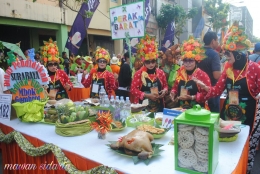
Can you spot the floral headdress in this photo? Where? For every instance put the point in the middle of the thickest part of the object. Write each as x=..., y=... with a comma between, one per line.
x=192, y=49
x=50, y=51
x=147, y=48
x=235, y=39
x=173, y=50
x=102, y=53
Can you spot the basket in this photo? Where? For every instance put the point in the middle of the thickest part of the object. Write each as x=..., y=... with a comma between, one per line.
x=73, y=128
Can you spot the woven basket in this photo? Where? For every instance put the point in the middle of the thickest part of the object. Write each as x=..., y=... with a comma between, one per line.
x=73, y=128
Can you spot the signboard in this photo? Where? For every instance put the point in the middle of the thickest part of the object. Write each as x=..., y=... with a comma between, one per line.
x=128, y=20
x=24, y=79
x=5, y=106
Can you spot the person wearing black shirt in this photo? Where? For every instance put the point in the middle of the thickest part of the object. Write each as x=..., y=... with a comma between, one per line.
x=124, y=77
x=66, y=62
x=211, y=66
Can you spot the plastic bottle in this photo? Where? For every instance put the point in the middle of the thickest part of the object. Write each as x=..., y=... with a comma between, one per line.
x=102, y=94
x=106, y=101
x=117, y=101
x=116, y=113
x=122, y=102
x=127, y=106
x=112, y=101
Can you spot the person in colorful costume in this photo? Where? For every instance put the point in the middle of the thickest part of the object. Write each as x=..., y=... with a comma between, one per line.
x=240, y=78
x=59, y=81
x=149, y=82
x=61, y=63
x=76, y=65
x=100, y=76
x=87, y=63
x=170, y=67
x=185, y=90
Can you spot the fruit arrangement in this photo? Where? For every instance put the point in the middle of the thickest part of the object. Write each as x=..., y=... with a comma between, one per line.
x=71, y=113
x=51, y=115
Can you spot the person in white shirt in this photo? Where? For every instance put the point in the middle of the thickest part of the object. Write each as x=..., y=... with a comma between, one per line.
x=2, y=87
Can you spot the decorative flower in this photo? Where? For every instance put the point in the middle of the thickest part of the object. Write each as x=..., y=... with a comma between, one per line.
x=104, y=120
x=235, y=39
x=50, y=51
x=192, y=48
x=147, y=48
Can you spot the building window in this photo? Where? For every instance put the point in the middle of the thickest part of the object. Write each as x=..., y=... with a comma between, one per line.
x=114, y=1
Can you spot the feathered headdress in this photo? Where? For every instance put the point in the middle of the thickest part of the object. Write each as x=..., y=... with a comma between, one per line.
x=147, y=48
x=192, y=49
x=235, y=39
x=102, y=53
x=50, y=51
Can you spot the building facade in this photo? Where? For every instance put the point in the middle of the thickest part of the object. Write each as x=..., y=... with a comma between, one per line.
x=242, y=15
x=31, y=23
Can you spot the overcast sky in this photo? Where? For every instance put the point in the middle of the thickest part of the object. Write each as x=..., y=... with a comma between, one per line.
x=254, y=9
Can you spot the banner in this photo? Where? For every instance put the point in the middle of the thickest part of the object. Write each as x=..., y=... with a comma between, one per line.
x=24, y=79
x=199, y=28
x=168, y=37
x=127, y=19
x=78, y=30
x=134, y=41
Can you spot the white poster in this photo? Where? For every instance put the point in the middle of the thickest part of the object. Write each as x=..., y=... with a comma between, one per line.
x=128, y=20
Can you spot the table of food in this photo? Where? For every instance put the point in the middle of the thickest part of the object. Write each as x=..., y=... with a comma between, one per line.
x=126, y=137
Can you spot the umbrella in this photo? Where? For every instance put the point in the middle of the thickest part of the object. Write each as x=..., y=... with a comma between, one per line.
x=15, y=48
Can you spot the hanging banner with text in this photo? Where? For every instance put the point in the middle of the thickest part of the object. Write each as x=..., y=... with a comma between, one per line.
x=24, y=79
x=127, y=20
x=80, y=25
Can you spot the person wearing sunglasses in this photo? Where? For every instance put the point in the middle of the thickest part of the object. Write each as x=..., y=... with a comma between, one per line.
x=59, y=82
x=185, y=91
x=240, y=78
x=170, y=67
x=149, y=82
x=100, y=76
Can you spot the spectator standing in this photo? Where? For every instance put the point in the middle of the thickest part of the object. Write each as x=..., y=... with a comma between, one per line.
x=66, y=62
x=211, y=66
x=256, y=56
x=124, y=77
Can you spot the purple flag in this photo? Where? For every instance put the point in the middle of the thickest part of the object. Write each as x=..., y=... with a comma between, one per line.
x=168, y=37
x=134, y=41
x=78, y=30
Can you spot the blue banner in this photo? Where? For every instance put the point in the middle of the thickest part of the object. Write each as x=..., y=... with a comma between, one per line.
x=79, y=27
x=199, y=28
x=168, y=37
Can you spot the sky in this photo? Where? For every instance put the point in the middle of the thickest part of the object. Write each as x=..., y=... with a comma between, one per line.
x=254, y=9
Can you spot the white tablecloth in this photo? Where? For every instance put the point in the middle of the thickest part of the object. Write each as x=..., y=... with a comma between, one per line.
x=89, y=146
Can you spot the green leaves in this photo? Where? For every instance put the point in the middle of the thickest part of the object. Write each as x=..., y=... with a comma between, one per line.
x=168, y=13
x=156, y=152
x=218, y=12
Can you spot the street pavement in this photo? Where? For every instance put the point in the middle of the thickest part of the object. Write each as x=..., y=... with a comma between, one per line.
x=256, y=169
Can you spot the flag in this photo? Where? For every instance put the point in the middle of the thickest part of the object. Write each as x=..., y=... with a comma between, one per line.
x=199, y=28
x=78, y=30
x=168, y=37
x=147, y=12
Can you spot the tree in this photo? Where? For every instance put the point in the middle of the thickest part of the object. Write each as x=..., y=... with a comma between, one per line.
x=169, y=12
x=218, y=13
x=74, y=5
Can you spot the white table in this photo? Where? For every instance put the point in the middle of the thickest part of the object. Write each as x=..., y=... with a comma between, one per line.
x=90, y=147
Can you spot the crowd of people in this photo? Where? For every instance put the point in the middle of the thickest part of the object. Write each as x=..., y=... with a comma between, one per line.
x=184, y=75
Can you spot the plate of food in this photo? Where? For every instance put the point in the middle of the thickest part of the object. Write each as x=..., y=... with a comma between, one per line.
x=138, y=145
x=155, y=131
x=92, y=101
x=117, y=126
